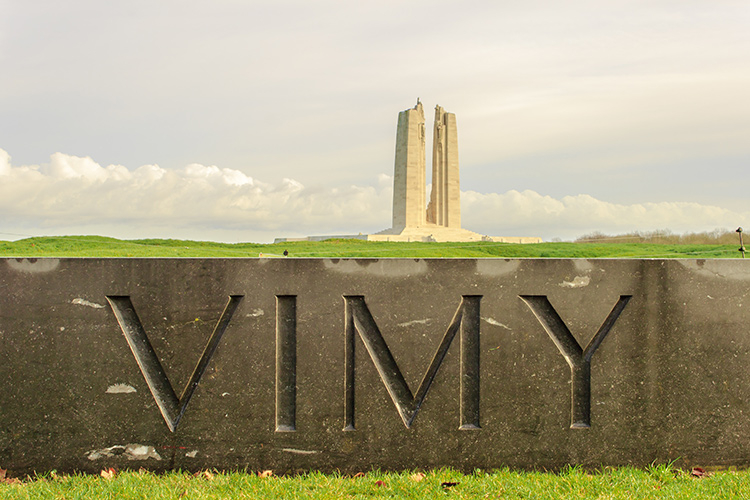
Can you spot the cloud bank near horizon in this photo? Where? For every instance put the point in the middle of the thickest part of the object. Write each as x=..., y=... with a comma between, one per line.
x=76, y=195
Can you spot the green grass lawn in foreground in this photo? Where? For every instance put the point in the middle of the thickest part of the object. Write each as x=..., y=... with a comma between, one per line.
x=624, y=482
x=99, y=246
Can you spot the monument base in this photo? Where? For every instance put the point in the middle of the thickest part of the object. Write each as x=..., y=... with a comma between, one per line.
x=427, y=233
x=432, y=232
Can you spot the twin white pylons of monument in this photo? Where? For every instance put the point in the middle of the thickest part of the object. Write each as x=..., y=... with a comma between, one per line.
x=414, y=219
x=441, y=219
x=409, y=181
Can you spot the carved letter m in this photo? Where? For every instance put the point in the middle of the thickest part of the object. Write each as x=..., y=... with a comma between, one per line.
x=359, y=319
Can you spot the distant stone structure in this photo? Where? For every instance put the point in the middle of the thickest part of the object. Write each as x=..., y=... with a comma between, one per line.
x=413, y=218
x=445, y=200
x=409, y=203
x=441, y=219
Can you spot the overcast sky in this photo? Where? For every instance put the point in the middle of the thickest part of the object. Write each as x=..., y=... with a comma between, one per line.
x=246, y=120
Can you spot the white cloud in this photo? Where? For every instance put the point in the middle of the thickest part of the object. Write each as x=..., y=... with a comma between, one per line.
x=77, y=192
x=528, y=213
x=77, y=195
x=4, y=162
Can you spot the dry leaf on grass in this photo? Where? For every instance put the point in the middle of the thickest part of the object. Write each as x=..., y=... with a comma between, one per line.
x=109, y=473
x=698, y=472
x=265, y=473
x=8, y=480
x=417, y=476
x=379, y=483
x=359, y=474
x=207, y=475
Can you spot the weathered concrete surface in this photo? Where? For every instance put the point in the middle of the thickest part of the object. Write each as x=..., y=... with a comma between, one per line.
x=668, y=381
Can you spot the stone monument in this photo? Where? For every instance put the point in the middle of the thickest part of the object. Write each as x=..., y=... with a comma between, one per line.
x=445, y=200
x=409, y=173
x=413, y=218
x=440, y=219
x=444, y=209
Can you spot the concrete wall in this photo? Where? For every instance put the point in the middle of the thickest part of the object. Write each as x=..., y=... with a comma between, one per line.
x=349, y=364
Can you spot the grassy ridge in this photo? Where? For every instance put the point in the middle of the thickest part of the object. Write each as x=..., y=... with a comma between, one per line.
x=99, y=246
x=625, y=483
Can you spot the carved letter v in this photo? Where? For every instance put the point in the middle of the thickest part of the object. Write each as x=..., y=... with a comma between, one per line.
x=171, y=408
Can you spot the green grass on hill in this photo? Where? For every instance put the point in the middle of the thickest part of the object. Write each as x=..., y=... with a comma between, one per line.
x=99, y=246
x=611, y=483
